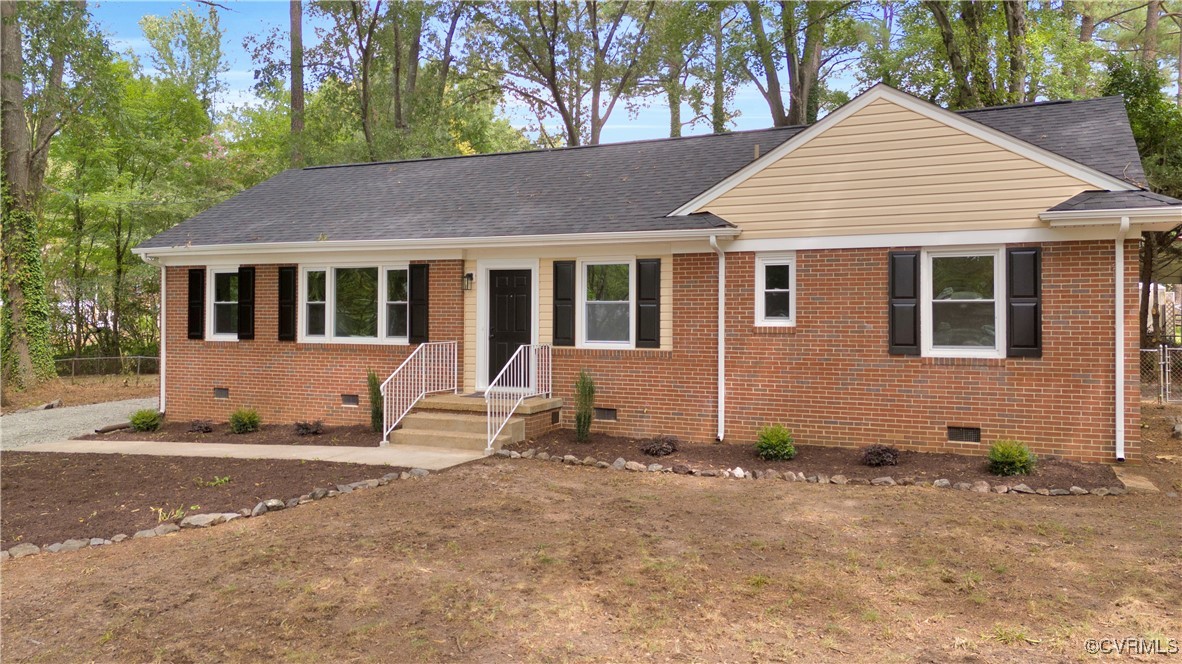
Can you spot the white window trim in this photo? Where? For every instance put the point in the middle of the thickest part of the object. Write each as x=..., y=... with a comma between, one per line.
x=211, y=296
x=581, y=312
x=999, y=303
x=761, y=261
x=330, y=305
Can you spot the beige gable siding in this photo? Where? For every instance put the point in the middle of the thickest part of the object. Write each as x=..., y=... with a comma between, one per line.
x=887, y=169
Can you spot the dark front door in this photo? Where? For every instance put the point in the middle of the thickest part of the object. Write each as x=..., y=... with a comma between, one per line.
x=509, y=324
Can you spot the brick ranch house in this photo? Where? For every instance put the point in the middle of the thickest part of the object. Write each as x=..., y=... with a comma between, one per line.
x=894, y=273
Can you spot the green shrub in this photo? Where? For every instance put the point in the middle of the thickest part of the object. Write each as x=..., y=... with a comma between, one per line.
x=375, y=401
x=584, y=405
x=244, y=420
x=775, y=443
x=148, y=419
x=1009, y=457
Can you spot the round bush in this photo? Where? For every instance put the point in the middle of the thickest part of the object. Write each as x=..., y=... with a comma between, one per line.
x=1009, y=457
x=660, y=446
x=148, y=419
x=244, y=420
x=880, y=455
x=775, y=443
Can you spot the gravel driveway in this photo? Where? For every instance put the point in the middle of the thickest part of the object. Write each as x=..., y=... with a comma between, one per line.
x=45, y=426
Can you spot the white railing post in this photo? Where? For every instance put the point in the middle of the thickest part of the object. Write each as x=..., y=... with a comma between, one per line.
x=526, y=374
x=429, y=368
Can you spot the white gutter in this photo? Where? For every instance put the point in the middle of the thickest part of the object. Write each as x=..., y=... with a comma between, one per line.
x=1120, y=338
x=721, y=336
x=1166, y=214
x=163, y=333
x=255, y=248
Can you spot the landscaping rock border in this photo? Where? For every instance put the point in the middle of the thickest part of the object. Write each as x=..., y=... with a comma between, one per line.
x=212, y=519
x=979, y=486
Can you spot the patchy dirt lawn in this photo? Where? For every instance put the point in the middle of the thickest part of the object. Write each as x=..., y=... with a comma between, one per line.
x=1163, y=451
x=51, y=497
x=82, y=390
x=503, y=560
x=268, y=434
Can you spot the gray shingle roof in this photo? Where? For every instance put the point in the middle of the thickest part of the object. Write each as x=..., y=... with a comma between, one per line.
x=618, y=187
x=1094, y=132
x=1115, y=200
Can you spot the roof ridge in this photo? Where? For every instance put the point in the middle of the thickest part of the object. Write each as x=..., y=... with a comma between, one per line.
x=640, y=141
x=1031, y=104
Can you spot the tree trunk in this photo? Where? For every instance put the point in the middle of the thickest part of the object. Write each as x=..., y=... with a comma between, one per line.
x=1015, y=11
x=972, y=14
x=446, y=60
x=771, y=92
x=1149, y=48
x=1087, y=30
x=117, y=288
x=297, y=83
x=673, y=94
x=718, y=99
x=1148, y=256
x=805, y=67
x=26, y=353
x=78, y=274
x=966, y=93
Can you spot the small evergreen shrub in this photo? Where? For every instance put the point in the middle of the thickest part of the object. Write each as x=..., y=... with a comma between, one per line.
x=660, y=446
x=775, y=443
x=200, y=426
x=584, y=406
x=147, y=419
x=375, y=400
x=1010, y=457
x=244, y=420
x=880, y=455
x=309, y=428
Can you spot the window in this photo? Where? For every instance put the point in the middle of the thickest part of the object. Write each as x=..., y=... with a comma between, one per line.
x=963, y=313
x=775, y=283
x=224, y=317
x=367, y=304
x=607, y=300
x=397, y=302
x=316, y=301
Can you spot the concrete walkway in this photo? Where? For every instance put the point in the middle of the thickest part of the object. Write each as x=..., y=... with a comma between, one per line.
x=407, y=456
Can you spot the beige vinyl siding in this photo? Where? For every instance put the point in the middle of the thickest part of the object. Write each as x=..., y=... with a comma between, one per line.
x=887, y=169
x=470, y=330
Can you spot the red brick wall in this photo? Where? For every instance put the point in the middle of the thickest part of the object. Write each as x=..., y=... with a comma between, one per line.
x=284, y=380
x=832, y=382
x=829, y=379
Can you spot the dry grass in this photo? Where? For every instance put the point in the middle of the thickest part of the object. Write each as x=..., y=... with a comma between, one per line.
x=523, y=560
x=82, y=390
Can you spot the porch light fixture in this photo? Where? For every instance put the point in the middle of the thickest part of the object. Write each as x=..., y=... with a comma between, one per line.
x=466, y=281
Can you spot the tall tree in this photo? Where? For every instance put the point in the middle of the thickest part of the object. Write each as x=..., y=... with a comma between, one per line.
x=297, y=82
x=187, y=48
x=41, y=43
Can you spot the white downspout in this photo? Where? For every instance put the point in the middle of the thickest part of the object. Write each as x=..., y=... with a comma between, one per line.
x=163, y=332
x=721, y=336
x=1120, y=338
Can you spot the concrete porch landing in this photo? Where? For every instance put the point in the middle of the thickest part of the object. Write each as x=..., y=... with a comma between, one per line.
x=407, y=456
x=474, y=403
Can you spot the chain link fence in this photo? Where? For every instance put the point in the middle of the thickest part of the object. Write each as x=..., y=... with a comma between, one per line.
x=127, y=365
x=1161, y=373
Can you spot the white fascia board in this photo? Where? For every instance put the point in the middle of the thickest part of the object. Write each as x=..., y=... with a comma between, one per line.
x=932, y=239
x=1171, y=214
x=443, y=247
x=881, y=91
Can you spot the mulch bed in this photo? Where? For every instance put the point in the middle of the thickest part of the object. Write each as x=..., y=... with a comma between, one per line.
x=51, y=497
x=813, y=459
x=268, y=434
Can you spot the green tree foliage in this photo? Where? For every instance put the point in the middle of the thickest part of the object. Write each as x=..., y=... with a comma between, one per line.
x=187, y=49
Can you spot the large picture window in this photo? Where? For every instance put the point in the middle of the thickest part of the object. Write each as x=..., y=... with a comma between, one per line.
x=775, y=290
x=225, y=303
x=608, y=303
x=367, y=304
x=962, y=301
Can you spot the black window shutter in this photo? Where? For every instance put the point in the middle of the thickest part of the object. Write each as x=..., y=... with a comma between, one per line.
x=648, y=303
x=418, y=303
x=1023, y=302
x=246, y=303
x=287, y=303
x=197, y=303
x=903, y=303
x=564, y=303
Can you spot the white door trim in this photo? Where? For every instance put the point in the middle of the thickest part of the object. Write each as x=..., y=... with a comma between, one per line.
x=483, y=267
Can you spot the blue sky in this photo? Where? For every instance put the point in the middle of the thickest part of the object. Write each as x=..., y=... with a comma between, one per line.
x=120, y=21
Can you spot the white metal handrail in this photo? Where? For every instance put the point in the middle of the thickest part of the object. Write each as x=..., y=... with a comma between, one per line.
x=526, y=374
x=430, y=368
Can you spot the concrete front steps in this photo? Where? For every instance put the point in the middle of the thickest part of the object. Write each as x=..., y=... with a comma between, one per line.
x=460, y=422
